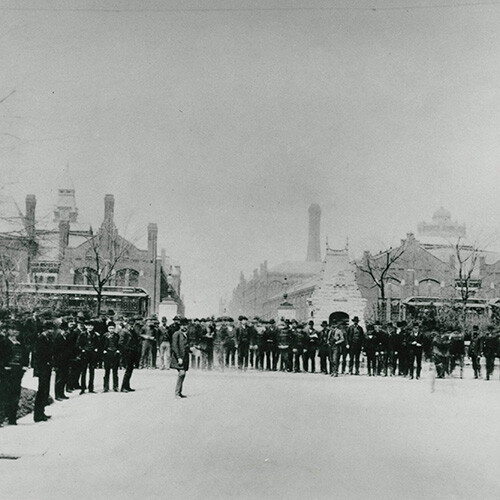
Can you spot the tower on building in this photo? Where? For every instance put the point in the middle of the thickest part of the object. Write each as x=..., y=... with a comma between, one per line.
x=313, y=247
x=65, y=209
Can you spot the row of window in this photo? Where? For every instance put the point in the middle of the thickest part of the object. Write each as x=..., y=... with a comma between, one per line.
x=87, y=276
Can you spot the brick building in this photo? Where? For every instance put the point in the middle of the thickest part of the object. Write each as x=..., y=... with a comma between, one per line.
x=427, y=272
x=65, y=252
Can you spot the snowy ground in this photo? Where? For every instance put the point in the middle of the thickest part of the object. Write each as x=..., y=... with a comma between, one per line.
x=262, y=435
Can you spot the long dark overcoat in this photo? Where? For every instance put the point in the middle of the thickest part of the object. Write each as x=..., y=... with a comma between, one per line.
x=179, y=349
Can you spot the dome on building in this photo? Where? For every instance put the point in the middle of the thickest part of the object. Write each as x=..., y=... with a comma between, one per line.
x=441, y=214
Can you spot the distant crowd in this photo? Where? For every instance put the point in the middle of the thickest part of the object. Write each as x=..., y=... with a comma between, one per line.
x=73, y=347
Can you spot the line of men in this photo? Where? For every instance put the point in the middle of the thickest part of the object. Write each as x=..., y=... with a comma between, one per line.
x=392, y=349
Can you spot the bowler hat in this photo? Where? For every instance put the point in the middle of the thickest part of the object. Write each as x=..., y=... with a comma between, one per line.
x=355, y=319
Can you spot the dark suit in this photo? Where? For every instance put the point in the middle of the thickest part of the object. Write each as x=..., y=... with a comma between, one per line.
x=62, y=354
x=179, y=358
x=42, y=368
x=354, y=339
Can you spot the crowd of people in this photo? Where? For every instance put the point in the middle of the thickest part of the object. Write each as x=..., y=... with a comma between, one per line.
x=73, y=347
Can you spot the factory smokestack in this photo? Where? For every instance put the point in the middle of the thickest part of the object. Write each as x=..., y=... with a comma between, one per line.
x=313, y=247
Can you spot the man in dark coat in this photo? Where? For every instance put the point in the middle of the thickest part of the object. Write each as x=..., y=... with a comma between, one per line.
x=416, y=349
x=63, y=351
x=89, y=342
x=42, y=368
x=244, y=333
x=14, y=370
x=324, y=348
x=475, y=350
x=179, y=357
x=371, y=345
x=490, y=350
x=111, y=353
x=312, y=342
x=129, y=344
x=354, y=343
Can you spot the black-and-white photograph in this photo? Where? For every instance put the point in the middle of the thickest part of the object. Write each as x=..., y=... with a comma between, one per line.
x=249, y=249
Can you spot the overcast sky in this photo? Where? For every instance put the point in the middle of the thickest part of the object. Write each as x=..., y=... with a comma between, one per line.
x=222, y=121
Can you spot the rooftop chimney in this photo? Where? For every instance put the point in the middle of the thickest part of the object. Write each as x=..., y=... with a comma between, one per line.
x=152, y=240
x=313, y=247
x=30, y=215
x=109, y=208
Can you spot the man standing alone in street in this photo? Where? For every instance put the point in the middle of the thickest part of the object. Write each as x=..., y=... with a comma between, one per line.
x=179, y=359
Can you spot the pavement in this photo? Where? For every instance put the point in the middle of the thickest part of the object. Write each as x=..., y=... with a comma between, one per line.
x=261, y=435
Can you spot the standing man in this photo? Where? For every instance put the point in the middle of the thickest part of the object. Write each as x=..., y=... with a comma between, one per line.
x=371, y=345
x=74, y=369
x=148, y=335
x=243, y=334
x=311, y=347
x=63, y=350
x=490, y=350
x=111, y=354
x=164, y=341
x=284, y=345
x=475, y=349
x=88, y=343
x=336, y=343
x=416, y=343
x=354, y=343
x=42, y=368
x=130, y=341
x=324, y=348
x=13, y=371
x=179, y=358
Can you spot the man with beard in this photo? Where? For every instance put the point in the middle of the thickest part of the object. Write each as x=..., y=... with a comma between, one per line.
x=229, y=344
x=312, y=342
x=74, y=354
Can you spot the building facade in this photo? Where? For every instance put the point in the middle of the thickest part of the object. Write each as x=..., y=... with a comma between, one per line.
x=437, y=265
x=65, y=252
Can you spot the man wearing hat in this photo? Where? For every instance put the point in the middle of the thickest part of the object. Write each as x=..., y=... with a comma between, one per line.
x=312, y=341
x=354, y=343
x=490, y=350
x=63, y=351
x=88, y=344
x=243, y=335
x=324, y=348
x=475, y=350
x=42, y=368
x=336, y=343
x=111, y=353
x=179, y=357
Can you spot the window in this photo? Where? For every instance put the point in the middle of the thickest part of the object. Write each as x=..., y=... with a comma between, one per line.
x=84, y=276
x=127, y=277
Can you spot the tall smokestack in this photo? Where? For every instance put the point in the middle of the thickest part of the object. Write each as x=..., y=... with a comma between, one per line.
x=313, y=247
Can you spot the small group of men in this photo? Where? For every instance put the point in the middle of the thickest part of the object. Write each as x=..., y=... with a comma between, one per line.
x=71, y=346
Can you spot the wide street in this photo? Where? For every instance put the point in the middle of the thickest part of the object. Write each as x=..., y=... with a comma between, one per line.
x=261, y=435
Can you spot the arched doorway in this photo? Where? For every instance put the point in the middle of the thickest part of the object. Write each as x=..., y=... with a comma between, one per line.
x=338, y=316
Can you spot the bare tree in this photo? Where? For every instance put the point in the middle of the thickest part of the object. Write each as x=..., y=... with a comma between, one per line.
x=106, y=250
x=379, y=268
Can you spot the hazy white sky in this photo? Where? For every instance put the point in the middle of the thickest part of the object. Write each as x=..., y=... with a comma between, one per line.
x=222, y=121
